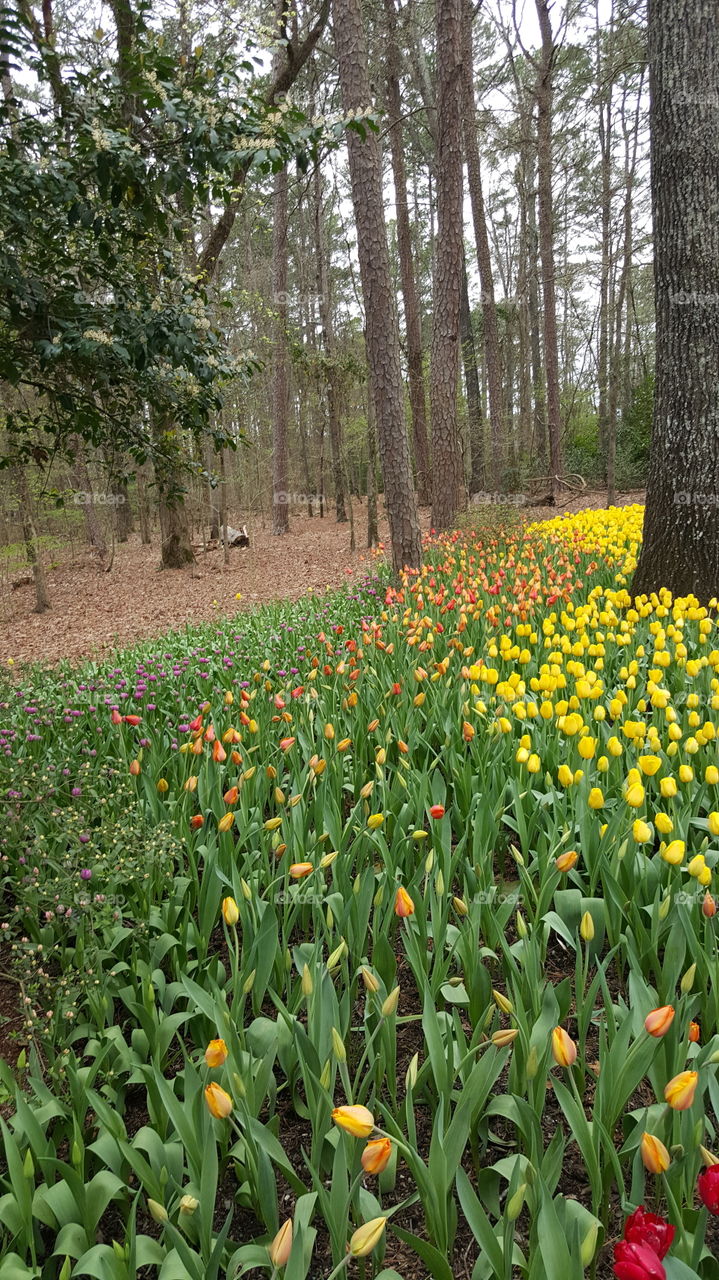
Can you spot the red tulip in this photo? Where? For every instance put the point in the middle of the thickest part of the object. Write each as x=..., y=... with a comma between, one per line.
x=436, y=811
x=196, y=725
x=708, y=1188
x=115, y=716
x=642, y=1227
x=636, y=1262
x=133, y=720
x=197, y=821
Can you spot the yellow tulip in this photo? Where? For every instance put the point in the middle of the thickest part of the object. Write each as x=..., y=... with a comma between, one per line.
x=219, y=1103
x=216, y=1053
x=655, y=1156
x=357, y=1121
x=367, y=1237
x=230, y=911
x=281, y=1247
x=680, y=1091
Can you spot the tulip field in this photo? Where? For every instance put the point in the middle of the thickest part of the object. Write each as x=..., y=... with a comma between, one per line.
x=372, y=935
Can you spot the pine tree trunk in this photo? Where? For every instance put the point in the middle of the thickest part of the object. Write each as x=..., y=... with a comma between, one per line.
x=545, y=99
x=681, y=524
x=475, y=425
x=446, y=457
x=280, y=371
x=412, y=321
x=334, y=416
x=372, y=528
x=484, y=259
x=365, y=163
x=143, y=506
x=30, y=538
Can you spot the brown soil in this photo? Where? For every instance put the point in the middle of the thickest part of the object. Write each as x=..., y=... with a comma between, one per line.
x=94, y=612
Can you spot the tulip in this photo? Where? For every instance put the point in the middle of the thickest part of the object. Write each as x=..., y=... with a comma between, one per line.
x=694, y=1033
x=658, y=1022
x=564, y=1050
x=502, y=1003
x=230, y=911
x=300, y=869
x=158, y=1212
x=370, y=982
x=357, y=1121
x=636, y=1262
x=216, y=1053
x=188, y=1204
x=389, y=1007
x=286, y=743
x=226, y=822
x=133, y=720
x=679, y=1093
x=708, y=1188
x=196, y=822
x=376, y=1155
x=163, y=786
x=642, y=1227
x=503, y=1038
x=219, y=755
x=219, y=1103
x=566, y=861
x=436, y=811
x=281, y=1247
x=375, y=821
x=586, y=927
x=135, y=768
x=655, y=1156
x=367, y=1237
x=230, y=797
x=403, y=904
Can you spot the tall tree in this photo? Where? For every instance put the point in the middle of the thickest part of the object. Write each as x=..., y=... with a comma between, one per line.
x=544, y=90
x=365, y=164
x=324, y=297
x=280, y=359
x=484, y=260
x=446, y=457
x=412, y=319
x=681, y=525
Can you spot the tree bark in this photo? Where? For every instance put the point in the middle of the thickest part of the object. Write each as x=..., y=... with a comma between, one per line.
x=444, y=368
x=475, y=425
x=365, y=164
x=372, y=527
x=30, y=539
x=680, y=550
x=334, y=417
x=84, y=489
x=484, y=259
x=412, y=321
x=545, y=98
x=280, y=369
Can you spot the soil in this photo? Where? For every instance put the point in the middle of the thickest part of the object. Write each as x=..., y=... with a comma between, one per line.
x=94, y=612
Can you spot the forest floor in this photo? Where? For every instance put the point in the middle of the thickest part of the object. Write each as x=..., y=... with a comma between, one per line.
x=93, y=612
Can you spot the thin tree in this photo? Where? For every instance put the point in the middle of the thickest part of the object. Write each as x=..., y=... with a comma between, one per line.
x=446, y=456
x=412, y=319
x=383, y=357
x=544, y=91
x=681, y=525
x=280, y=360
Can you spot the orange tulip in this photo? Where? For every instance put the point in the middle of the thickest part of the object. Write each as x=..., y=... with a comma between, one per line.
x=436, y=811
x=564, y=1050
x=300, y=869
x=655, y=1156
x=219, y=1102
x=566, y=861
x=403, y=904
x=230, y=797
x=658, y=1022
x=376, y=1154
x=135, y=768
x=286, y=743
x=197, y=821
x=216, y=1053
x=226, y=822
x=709, y=906
x=694, y=1032
x=679, y=1093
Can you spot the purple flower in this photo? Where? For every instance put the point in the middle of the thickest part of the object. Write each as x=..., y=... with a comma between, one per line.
x=76, y=791
x=86, y=873
x=84, y=838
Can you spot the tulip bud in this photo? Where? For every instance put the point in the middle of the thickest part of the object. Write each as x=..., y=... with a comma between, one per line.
x=655, y=1156
x=588, y=1246
x=687, y=981
x=664, y=906
x=281, y=1247
x=412, y=1072
x=338, y=1046
x=325, y=1075
x=439, y=884
x=376, y=1155
x=230, y=912
x=586, y=927
x=658, y=1022
x=389, y=1008
x=188, y=1204
x=532, y=1066
x=28, y=1166
x=564, y=1050
x=307, y=983
x=157, y=1211
x=67, y=1267
x=515, y=1203
x=371, y=983
x=366, y=1238
x=334, y=959
x=502, y=1003
x=249, y=983
x=707, y=1157
x=504, y=1037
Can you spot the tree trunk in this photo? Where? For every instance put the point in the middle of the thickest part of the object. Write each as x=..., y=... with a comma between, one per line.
x=372, y=528
x=122, y=509
x=475, y=425
x=681, y=524
x=365, y=163
x=446, y=459
x=176, y=541
x=484, y=259
x=334, y=418
x=86, y=498
x=30, y=539
x=545, y=97
x=413, y=326
x=280, y=370
x=143, y=506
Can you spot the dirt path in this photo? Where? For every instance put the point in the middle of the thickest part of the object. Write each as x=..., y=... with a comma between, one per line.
x=95, y=612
